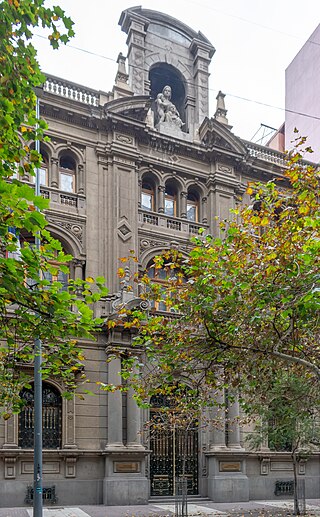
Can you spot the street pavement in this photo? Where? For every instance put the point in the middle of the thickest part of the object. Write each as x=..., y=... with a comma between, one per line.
x=206, y=509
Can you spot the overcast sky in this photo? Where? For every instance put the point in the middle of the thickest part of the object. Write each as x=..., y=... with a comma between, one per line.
x=255, y=40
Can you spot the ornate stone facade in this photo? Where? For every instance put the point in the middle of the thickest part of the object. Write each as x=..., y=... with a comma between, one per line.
x=119, y=178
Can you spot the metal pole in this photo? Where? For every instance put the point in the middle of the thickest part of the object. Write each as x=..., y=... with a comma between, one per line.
x=37, y=484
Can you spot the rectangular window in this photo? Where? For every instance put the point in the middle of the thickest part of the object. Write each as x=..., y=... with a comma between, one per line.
x=146, y=201
x=191, y=212
x=169, y=206
x=66, y=181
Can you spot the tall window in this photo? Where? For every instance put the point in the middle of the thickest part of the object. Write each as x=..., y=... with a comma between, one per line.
x=67, y=171
x=51, y=418
x=192, y=206
x=170, y=201
x=42, y=171
x=147, y=197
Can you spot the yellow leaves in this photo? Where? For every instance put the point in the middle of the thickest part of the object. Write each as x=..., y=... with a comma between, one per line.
x=304, y=209
x=90, y=280
x=121, y=272
x=111, y=324
x=23, y=129
x=249, y=191
x=264, y=221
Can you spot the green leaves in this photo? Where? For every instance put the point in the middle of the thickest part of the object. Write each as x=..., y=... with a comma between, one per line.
x=249, y=304
x=33, y=300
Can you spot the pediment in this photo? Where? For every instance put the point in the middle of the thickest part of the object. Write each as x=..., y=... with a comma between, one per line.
x=135, y=107
x=215, y=135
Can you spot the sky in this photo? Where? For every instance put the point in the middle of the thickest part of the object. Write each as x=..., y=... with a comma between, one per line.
x=255, y=40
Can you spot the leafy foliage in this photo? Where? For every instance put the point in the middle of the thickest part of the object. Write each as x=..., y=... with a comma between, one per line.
x=245, y=303
x=30, y=306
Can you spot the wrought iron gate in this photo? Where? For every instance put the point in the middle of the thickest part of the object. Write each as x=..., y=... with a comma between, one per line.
x=174, y=454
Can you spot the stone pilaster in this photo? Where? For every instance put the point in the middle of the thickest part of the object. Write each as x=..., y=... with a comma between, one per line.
x=80, y=179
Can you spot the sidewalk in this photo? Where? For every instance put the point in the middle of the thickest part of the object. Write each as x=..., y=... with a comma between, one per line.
x=251, y=508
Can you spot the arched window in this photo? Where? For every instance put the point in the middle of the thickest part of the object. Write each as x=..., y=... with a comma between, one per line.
x=159, y=276
x=67, y=170
x=51, y=418
x=193, y=206
x=27, y=240
x=147, y=196
x=59, y=276
x=170, y=200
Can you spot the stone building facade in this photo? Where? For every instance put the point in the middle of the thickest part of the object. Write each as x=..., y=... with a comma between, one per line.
x=139, y=168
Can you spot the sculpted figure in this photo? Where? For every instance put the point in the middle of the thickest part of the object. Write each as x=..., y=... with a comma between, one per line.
x=166, y=110
x=172, y=115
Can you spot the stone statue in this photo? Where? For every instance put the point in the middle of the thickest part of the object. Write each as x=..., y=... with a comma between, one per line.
x=166, y=111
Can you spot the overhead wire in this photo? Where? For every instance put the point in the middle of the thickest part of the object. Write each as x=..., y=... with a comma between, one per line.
x=232, y=95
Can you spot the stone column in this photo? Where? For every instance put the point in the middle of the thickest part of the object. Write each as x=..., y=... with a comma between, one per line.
x=218, y=417
x=204, y=210
x=183, y=206
x=80, y=188
x=114, y=405
x=54, y=182
x=161, y=192
x=78, y=265
x=234, y=427
x=133, y=422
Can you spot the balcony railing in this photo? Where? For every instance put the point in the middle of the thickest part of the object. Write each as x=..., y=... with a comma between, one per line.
x=62, y=198
x=266, y=154
x=165, y=222
x=72, y=91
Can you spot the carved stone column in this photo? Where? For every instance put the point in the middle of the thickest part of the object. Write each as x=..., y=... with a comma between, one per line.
x=161, y=190
x=134, y=438
x=78, y=265
x=218, y=422
x=115, y=438
x=204, y=210
x=54, y=182
x=183, y=206
x=234, y=427
x=80, y=188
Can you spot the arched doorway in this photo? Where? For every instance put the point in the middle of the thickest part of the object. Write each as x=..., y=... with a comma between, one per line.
x=174, y=449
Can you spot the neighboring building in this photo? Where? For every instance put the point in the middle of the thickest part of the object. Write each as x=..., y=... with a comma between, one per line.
x=134, y=169
x=302, y=95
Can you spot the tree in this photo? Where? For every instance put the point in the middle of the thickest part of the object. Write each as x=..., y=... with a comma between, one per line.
x=247, y=301
x=31, y=306
x=286, y=416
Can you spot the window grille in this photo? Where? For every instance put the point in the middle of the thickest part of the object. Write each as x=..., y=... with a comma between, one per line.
x=51, y=418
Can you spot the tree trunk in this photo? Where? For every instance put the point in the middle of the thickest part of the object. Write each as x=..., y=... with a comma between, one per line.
x=296, y=509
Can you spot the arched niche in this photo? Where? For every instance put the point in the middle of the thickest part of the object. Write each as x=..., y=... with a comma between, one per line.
x=162, y=74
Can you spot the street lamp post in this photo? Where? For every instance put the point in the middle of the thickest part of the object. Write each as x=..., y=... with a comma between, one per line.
x=37, y=484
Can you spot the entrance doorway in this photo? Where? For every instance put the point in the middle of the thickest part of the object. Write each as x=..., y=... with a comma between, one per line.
x=174, y=451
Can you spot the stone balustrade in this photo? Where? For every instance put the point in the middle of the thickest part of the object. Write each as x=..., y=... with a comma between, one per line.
x=266, y=154
x=170, y=223
x=72, y=91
